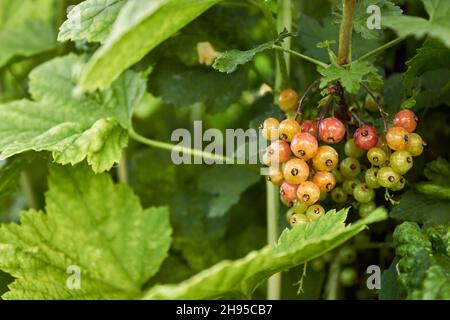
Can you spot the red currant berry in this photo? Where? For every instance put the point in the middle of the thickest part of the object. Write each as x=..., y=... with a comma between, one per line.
x=308, y=193
x=338, y=195
x=371, y=104
x=401, y=161
x=351, y=150
x=397, y=138
x=366, y=208
x=288, y=129
x=349, y=185
x=366, y=137
x=314, y=212
x=311, y=127
x=331, y=130
x=269, y=128
x=298, y=219
x=324, y=180
x=296, y=171
x=415, y=145
x=287, y=100
x=288, y=192
x=406, y=119
x=350, y=168
x=304, y=145
x=275, y=176
x=377, y=156
x=278, y=151
x=387, y=177
x=326, y=159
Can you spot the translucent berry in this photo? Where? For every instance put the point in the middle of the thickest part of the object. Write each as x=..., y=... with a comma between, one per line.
x=338, y=195
x=363, y=193
x=406, y=119
x=304, y=145
x=377, y=156
x=324, y=180
x=295, y=171
x=287, y=129
x=289, y=214
x=331, y=130
x=288, y=192
x=366, y=137
x=269, y=128
x=337, y=175
x=275, y=175
x=308, y=193
x=397, y=138
x=310, y=126
x=347, y=255
x=370, y=177
x=348, y=277
x=323, y=196
x=349, y=185
x=350, y=168
x=314, y=212
x=400, y=184
x=326, y=159
x=387, y=177
x=401, y=161
x=287, y=100
x=366, y=208
x=299, y=207
x=278, y=151
x=298, y=219
x=351, y=150
x=415, y=145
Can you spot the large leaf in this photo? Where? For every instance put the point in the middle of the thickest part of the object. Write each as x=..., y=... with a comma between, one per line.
x=296, y=246
x=197, y=84
x=140, y=27
x=91, y=20
x=73, y=127
x=424, y=265
x=437, y=26
x=91, y=224
x=25, y=28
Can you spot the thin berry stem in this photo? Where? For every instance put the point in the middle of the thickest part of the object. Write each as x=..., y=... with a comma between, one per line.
x=379, y=106
x=303, y=98
x=357, y=118
x=301, y=56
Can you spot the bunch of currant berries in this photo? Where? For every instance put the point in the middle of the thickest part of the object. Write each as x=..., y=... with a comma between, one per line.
x=306, y=167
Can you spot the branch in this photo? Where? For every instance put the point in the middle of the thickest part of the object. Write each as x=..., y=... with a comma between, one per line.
x=345, y=32
x=301, y=56
x=380, y=49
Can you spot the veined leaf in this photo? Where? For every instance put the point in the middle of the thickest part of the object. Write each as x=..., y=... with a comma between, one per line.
x=295, y=246
x=350, y=77
x=72, y=127
x=91, y=20
x=229, y=60
x=437, y=26
x=140, y=27
x=91, y=226
x=25, y=28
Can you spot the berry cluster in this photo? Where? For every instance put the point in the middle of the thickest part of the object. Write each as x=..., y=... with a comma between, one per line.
x=303, y=163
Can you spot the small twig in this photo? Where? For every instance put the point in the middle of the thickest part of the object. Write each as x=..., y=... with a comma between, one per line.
x=379, y=106
x=357, y=118
x=300, y=282
x=380, y=49
x=302, y=100
x=332, y=285
x=301, y=56
x=122, y=170
x=323, y=112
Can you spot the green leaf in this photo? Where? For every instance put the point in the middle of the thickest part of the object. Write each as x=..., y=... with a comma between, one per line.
x=437, y=26
x=91, y=20
x=71, y=126
x=389, y=287
x=89, y=223
x=432, y=56
x=25, y=28
x=233, y=181
x=10, y=176
x=139, y=28
x=361, y=17
x=350, y=77
x=424, y=265
x=240, y=278
x=197, y=84
x=311, y=32
x=229, y=60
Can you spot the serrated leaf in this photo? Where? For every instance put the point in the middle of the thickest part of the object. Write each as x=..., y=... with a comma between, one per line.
x=91, y=20
x=229, y=60
x=433, y=55
x=350, y=77
x=89, y=223
x=139, y=28
x=197, y=84
x=241, y=277
x=437, y=26
x=424, y=262
x=72, y=127
x=361, y=17
x=25, y=28
x=233, y=181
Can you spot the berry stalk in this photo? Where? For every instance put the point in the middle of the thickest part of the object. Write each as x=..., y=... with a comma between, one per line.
x=379, y=106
